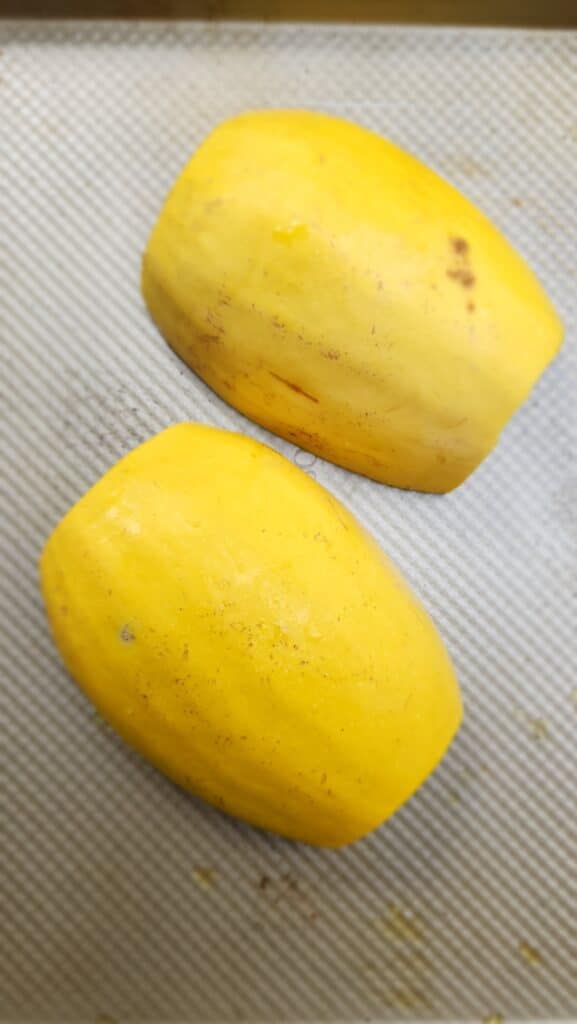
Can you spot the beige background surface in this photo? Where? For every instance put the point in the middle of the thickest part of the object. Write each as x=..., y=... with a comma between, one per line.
x=120, y=896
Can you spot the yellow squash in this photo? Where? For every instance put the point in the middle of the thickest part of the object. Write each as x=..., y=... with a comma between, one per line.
x=337, y=291
x=237, y=626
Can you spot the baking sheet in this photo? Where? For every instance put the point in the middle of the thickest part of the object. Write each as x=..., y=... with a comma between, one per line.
x=122, y=898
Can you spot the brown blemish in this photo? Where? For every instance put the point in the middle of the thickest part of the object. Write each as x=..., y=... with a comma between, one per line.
x=126, y=635
x=463, y=276
x=294, y=387
x=210, y=316
x=461, y=270
x=470, y=307
x=332, y=353
x=379, y=285
x=460, y=246
x=306, y=439
x=285, y=889
x=210, y=339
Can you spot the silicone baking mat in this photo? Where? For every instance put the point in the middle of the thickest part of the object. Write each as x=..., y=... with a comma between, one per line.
x=123, y=898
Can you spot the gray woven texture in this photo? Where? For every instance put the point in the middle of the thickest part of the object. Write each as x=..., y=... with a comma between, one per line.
x=121, y=897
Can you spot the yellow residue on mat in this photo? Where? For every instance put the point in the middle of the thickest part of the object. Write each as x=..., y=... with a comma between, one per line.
x=401, y=925
x=529, y=954
x=205, y=878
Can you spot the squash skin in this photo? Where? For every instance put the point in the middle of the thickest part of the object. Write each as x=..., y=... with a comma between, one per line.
x=335, y=290
x=239, y=628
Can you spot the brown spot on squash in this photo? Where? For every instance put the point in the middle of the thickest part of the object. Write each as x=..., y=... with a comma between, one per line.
x=294, y=387
x=308, y=440
x=332, y=353
x=461, y=271
x=211, y=317
x=460, y=246
x=463, y=276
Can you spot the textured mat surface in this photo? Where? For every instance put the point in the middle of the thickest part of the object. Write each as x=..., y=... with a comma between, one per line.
x=122, y=898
